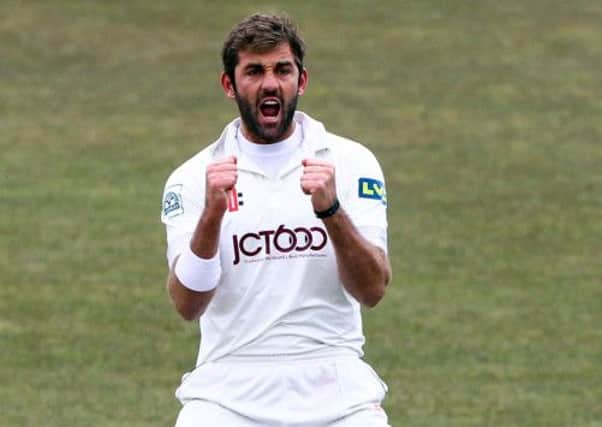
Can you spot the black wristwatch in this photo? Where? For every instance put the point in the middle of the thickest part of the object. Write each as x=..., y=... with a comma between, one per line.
x=330, y=211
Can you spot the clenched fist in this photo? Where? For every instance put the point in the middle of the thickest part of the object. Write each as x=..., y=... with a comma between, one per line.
x=318, y=181
x=220, y=178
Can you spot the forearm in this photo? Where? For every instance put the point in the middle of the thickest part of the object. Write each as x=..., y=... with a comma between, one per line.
x=363, y=267
x=204, y=244
x=191, y=284
x=189, y=304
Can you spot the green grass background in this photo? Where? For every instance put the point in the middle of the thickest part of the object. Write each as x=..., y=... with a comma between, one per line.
x=487, y=119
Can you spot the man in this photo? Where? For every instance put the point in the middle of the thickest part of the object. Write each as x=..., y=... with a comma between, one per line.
x=276, y=234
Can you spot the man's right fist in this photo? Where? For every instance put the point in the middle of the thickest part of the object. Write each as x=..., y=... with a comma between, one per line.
x=220, y=178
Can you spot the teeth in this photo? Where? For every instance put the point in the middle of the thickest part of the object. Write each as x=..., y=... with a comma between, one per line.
x=270, y=103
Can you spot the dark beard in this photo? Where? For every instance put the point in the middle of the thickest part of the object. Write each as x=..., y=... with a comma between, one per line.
x=266, y=136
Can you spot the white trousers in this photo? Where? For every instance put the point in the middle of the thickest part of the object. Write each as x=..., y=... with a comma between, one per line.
x=344, y=392
x=199, y=413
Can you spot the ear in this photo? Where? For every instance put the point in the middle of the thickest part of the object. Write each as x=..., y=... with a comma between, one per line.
x=303, y=81
x=227, y=86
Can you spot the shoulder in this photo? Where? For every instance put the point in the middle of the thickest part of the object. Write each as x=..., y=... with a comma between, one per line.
x=184, y=189
x=351, y=155
x=348, y=148
x=185, y=186
x=338, y=148
x=192, y=169
x=357, y=168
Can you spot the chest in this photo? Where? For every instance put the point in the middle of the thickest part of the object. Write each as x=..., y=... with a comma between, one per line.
x=270, y=219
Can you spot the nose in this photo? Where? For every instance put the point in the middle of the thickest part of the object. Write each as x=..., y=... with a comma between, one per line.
x=270, y=82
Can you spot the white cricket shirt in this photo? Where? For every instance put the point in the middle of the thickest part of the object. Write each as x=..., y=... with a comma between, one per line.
x=280, y=293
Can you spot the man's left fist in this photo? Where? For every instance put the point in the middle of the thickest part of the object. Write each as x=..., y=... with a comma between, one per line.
x=318, y=181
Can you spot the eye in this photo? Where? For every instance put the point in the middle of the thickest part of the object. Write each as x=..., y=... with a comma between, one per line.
x=253, y=71
x=285, y=70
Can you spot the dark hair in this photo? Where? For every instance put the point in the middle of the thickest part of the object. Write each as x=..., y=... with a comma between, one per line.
x=261, y=33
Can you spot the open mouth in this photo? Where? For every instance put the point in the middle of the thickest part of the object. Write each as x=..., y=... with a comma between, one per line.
x=270, y=108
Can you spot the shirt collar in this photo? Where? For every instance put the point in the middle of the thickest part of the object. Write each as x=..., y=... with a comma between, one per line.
x=315, y=138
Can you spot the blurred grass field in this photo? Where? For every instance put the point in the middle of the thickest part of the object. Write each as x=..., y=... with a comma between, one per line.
x=487, y=119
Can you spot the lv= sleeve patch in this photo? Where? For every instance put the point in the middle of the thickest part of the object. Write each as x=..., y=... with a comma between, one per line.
x=370, y=188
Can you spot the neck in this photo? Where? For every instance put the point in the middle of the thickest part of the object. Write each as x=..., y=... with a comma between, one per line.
x=259, y=140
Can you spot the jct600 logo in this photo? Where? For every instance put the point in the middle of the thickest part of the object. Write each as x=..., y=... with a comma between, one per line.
x=282, y=240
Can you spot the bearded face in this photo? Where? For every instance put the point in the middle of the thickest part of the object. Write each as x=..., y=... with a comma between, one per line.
x=266, y=89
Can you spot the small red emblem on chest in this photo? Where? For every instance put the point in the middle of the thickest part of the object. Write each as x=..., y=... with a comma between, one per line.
x=233, y=202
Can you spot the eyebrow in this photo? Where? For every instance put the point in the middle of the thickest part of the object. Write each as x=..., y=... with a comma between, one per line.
x=282, y=63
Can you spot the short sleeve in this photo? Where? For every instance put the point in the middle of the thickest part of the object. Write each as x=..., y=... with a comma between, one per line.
x=180, y=211
x=366, y=197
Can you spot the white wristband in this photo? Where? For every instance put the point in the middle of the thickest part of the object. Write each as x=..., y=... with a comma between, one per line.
x=198, y=274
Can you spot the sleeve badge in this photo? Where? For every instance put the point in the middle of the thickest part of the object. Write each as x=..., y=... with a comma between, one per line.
x=172, y=202
x=369, y=188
